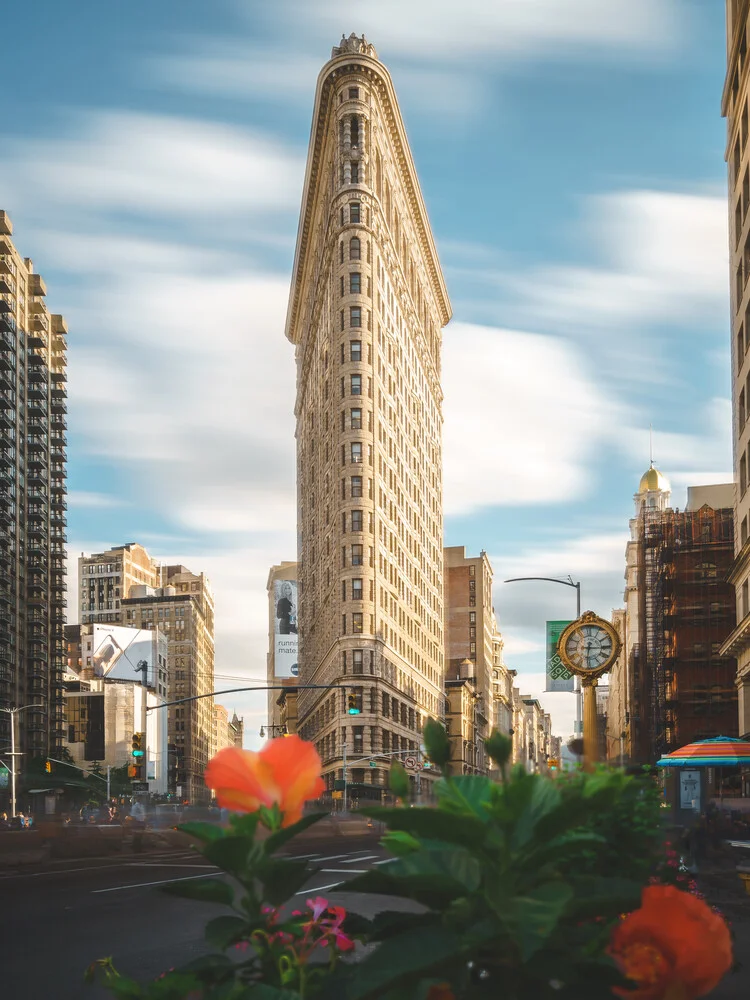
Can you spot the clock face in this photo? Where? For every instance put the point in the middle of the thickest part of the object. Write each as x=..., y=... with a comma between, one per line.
x=589, y=647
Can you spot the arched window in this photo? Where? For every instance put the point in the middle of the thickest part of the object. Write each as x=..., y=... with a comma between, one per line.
x=354, y=248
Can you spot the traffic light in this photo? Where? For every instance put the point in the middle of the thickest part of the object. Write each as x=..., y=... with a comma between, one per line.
x=132, y=771
x=553, y=763
x=48, y=767
x=352, y=703
x=137, y=744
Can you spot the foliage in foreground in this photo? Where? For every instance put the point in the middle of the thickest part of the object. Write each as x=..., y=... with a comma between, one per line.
x=505, y=890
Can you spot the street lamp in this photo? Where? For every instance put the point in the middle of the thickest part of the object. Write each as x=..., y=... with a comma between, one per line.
x=13, y=712
x=577, y=682
x=272, y=731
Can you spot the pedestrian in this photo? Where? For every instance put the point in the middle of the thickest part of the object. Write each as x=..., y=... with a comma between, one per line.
x=4, y=824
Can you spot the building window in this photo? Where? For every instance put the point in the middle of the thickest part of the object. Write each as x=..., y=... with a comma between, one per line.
x=472, y=600
x=472, y=617
x=354, y=211
x=743, y=475
x=343, y=624
x=355, y=283
x=355, y=419
x=343, y=590
x=356, y=385
x=357, y=555
x=357, y=588
x=355, y=172
x=353, y=93
x=355, y=348
x=356, y=451
x=357, y=622
x=355, y=248
x=355, y=318
x=356, y=518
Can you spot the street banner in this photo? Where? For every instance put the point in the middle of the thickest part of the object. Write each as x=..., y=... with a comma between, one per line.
x=286, y=643
x=558, y=678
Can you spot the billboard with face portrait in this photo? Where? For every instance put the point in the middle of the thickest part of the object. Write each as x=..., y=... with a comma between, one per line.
x=286, y=639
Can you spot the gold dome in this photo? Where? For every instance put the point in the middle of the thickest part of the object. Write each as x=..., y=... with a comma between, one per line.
x=652, y=479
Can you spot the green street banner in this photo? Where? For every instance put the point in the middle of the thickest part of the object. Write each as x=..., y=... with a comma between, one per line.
x=558, y=678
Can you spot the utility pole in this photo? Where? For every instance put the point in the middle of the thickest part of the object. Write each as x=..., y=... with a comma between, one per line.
x=109, y=767
x=13, y=712
x=344, y=770
x=142, y=666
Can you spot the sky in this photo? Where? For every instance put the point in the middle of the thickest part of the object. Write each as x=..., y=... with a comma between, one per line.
x=571, y=156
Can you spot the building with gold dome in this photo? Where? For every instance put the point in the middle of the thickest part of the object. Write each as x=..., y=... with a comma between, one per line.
x=672, y=684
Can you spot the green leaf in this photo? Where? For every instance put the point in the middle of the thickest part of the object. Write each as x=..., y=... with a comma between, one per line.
x=398, y=780
x=206, y=890
x=544, y=798
x=428, y=889
x=282, y=879
x=602, y=896
x=441, y=860
x=223, y=931
x=499, y=748
x=244, y=824
x=277, y=840
x=532, y=918
x=436, y=743
x=230, y=853
x=466, y=794
x=172, y=987
x=203, y=831
x=125, y=989
x=435, y=823
x=400, y=843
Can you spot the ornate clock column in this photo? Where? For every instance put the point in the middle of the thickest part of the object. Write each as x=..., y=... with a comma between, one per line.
x=588, y=647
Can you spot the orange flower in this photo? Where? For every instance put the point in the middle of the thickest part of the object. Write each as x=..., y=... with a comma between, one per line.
x=286, y=772
x=441, y=992
x=674, y=948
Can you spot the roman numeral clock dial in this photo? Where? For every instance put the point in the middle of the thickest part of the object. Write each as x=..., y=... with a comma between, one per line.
x=589, y=646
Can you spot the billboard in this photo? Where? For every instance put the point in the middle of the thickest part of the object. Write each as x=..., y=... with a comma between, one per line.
x=558, y=678
x=117, y=650
x=285, y=633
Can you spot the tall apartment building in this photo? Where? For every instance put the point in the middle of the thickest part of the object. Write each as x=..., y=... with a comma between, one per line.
x=105, y=578
x=366, y=308
x=32, y=512
x=470, y=634
x=137, y=591
x=675, y=671
x=735, y=106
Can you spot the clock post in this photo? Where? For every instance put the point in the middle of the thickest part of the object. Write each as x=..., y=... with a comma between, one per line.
x=589, y=647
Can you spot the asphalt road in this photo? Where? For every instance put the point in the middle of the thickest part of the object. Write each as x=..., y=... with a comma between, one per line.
x=55, y=921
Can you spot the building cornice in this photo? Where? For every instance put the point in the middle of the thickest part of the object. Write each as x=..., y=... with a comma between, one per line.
x=341, y=66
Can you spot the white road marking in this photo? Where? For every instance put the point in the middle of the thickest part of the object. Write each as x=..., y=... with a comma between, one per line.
x=347, y=854
x=367, y=857
x=183, y=864
x=344, y=871
x=317, y=888
x=386, y=861
x=141, y=885
x=297, y=857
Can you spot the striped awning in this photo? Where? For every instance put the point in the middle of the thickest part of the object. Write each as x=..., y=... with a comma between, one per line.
x=720, y=751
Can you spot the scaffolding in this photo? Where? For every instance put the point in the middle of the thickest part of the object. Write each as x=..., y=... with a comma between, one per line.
x=684, y=690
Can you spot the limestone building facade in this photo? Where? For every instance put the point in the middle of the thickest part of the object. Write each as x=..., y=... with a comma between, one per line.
x=33, y=488
x=366, y=309
x=735, y=106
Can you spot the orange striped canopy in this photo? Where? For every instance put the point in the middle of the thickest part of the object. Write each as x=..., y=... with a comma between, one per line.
x=720, y=751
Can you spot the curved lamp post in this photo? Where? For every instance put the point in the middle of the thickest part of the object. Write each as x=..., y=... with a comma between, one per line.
x=570, y=582
x=13, y=712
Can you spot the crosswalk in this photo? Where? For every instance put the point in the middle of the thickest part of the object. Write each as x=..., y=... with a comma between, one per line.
x=350, y=863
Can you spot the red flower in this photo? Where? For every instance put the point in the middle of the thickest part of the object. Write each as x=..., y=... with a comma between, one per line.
x=673, y=948
x=285, y=772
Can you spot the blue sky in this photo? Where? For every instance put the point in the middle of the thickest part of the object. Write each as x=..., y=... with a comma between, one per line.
x=571, y=157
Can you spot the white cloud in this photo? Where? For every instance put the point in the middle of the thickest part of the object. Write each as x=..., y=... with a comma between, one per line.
x=522, y=408
x=665, y=259
x=82, y=498
x=153, y=165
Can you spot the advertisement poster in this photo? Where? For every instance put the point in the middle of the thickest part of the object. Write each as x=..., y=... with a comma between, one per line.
x=690, y=790
x=118, y=650
x=286, y=641
x=558, y=678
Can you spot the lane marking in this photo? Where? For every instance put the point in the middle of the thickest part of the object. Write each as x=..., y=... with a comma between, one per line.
x=317, y=888
x=298, y=857
x=386, y=861
x=149, y=864
x=367, y=857
x=344, y=871
x=141, y=885
x=333, y=857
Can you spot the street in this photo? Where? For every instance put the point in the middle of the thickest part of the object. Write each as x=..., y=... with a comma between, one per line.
x=57, y=920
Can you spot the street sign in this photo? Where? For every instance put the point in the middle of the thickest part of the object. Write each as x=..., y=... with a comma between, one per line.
x=410, y=763
x=337, y=795
x=339, y=785
x=140, y=786
x=373, y=763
